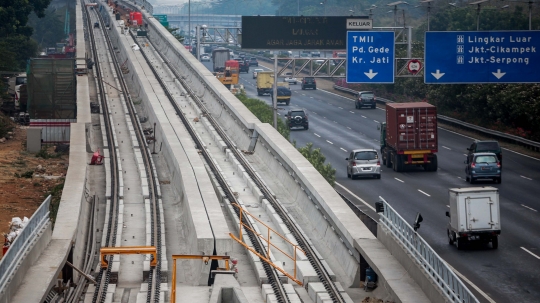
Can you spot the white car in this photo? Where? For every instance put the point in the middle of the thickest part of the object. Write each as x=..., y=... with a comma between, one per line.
x=205, y=58
x=290, y=79
x=256, y=71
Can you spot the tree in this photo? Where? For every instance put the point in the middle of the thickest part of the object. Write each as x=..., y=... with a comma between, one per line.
x=174, y=32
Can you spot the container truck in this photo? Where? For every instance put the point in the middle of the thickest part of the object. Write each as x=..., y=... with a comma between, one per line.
x=219, y=57
x=409, y=136
x=474, y=216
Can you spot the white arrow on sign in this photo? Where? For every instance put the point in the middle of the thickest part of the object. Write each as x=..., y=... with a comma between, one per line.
x=371, y=74
x=437, y=75
x=498, y=74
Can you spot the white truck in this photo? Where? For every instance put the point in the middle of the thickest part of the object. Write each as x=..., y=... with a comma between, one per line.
x=474, y=216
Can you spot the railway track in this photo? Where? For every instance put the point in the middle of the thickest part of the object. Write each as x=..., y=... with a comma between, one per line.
x=258, y=245
x=103, y=278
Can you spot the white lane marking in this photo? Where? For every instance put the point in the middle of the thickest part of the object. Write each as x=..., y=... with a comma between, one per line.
x=376, y=140
x=376, y=121
x=460, y=178
x=364, y=117
x=340, y=107
x=324, y=117
x=490, y=300
x=343, y=149
x=448, y=206
x=529, y=208
x=303, y=94
x=329, y=142
x=465, y=155
x=325, y=91
x=537, y=257
x=311, y=97
x=351, y=112
x=279, y=114
x=316, y=135
x=447, y=147
x=526, y=178
x=400, y=180
x=335, y=122
x=355, y=196
x=425, y=193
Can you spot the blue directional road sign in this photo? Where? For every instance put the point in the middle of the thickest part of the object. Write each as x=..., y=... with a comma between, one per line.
x=370, y=57
x=482, y=57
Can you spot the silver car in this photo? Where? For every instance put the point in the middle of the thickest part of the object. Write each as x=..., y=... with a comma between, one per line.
x=363, y=162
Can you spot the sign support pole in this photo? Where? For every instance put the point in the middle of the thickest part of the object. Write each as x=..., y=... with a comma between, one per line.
x=274, y=90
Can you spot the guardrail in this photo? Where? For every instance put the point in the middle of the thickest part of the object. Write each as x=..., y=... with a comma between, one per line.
x=436, y=268
x=23, y=240
x=532, y=145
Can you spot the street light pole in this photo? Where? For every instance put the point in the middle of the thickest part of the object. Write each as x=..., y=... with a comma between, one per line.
x=478, y=3
x=189, y=21
x=428, y=10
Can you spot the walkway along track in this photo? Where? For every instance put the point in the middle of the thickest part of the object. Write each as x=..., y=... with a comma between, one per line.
x=154, y=280
x=295, y=230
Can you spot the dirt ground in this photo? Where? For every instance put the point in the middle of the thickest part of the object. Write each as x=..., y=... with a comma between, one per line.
x=23, y=185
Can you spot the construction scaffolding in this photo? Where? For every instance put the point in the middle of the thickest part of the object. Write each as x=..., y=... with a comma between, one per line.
x=52, y=89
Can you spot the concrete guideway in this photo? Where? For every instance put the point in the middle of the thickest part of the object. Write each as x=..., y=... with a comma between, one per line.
x=173, y=49
x=73, y=209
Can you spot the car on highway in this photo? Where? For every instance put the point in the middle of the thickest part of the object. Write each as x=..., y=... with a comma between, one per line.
x=253, y=61
x=365, y=98
x=309, y=82
x=297, y=118
x=256, y=71
x=205, y=57
x=482, y=166
x=486, y=146
x=290, y=79
x=363, y=162
x=316, y=54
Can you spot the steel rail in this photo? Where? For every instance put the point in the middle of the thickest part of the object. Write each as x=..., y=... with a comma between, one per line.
x=154, y=279
x=103, y=277
x=302, y=242
x=273, y=277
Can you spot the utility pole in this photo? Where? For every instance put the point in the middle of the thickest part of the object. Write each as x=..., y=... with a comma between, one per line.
x=274, y=90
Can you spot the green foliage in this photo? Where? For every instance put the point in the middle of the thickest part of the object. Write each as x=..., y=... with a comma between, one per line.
x=174, y=32
x=50, y=29
x=263, y=111
x=317, y=159
x=5, y=125
x=56, y=195
x=43, y=153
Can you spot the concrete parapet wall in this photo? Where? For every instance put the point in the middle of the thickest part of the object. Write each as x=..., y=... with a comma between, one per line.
x=315, y=198
x=26, y=261
x=424, y=284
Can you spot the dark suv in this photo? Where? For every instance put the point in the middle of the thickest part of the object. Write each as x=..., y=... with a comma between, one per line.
x=486, y=147
x=297, y=118
x=253, y=62
x=309, y=82
x=365, y=99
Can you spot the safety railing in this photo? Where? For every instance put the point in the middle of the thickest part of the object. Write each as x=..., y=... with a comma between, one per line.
x=269, y=244
x=23, y=240
x=435, y=267
x=532, y=145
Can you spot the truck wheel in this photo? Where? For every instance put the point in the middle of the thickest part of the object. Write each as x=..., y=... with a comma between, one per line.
x=388, y=159
x=383, y=160
x=434, y=163
x=495, y=242
x=348, y=175
x=460, y=243
x=398, y=165
x=287, y=102
x=450, y=239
